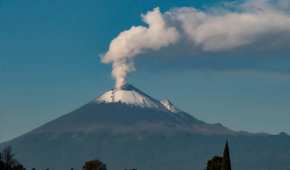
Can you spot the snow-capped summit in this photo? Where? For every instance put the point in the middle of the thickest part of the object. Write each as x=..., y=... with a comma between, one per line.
x=129, y=94
x=169, y=106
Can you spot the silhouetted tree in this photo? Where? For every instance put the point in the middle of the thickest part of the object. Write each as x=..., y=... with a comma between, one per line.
x=94, y=165
x=220, y=163
x=18, y=167
x=8, y=161
x=1, y=162
x=226, y=158
x=215, y=163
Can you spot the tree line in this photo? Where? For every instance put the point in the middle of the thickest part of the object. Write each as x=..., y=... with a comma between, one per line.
x=8, y=162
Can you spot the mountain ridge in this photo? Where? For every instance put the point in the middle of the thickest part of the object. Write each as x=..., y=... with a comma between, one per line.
x=129, y=135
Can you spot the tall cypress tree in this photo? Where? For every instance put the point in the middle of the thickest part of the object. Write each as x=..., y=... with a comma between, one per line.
x=226, y=165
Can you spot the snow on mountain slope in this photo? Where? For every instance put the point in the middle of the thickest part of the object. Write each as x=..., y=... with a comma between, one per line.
x=169, y=106
x=128, y=94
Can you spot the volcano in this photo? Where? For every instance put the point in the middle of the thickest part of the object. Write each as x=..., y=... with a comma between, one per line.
x=126, y=128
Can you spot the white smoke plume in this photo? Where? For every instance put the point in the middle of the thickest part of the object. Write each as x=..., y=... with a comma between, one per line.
x=217, y=29
x=135, y=41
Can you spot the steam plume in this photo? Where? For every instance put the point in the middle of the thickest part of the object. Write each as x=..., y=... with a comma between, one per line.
x=208, y=30
x=135, y=41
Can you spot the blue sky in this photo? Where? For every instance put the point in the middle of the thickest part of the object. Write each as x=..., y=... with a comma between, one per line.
x=49, y=65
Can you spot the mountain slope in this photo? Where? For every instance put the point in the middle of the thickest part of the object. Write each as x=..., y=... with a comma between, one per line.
x=122, y=118
x=136, y=135
x=169, y=106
